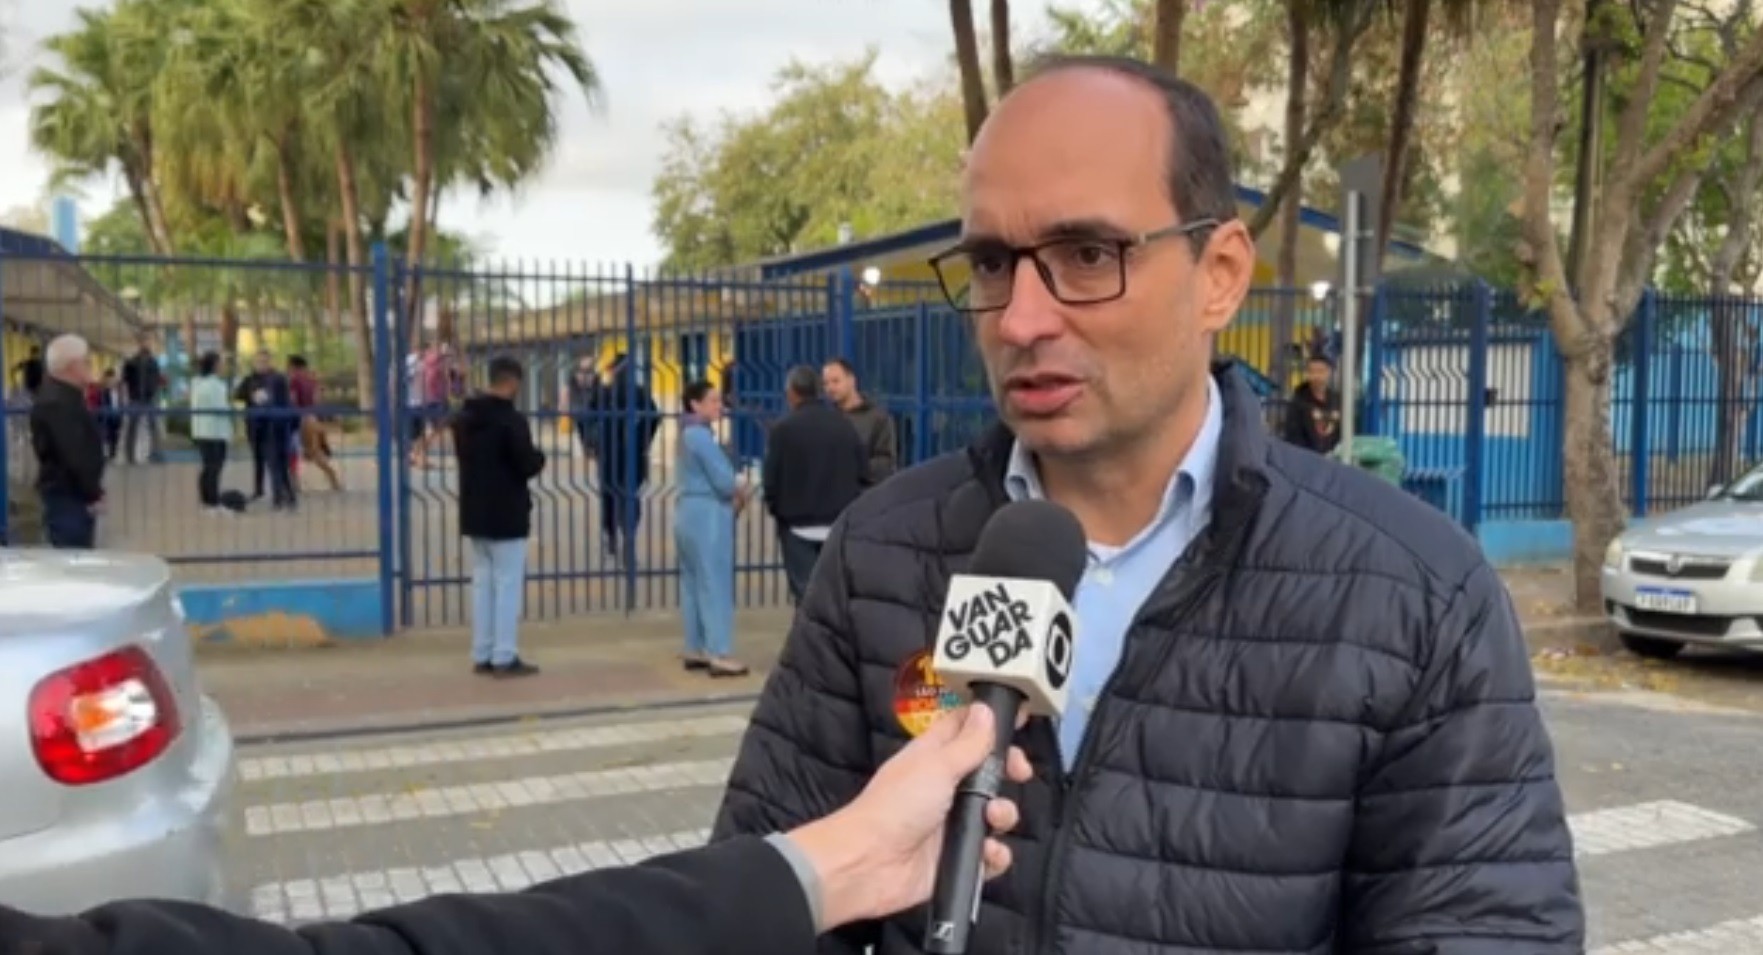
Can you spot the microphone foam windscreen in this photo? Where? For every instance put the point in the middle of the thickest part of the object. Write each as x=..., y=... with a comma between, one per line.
x=1032, y=540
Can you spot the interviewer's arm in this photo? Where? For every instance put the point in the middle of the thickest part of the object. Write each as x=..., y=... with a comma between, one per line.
x=739, y=897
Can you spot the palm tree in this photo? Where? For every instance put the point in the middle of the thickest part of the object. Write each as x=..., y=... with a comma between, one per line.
x=497, y=54
x=98, y=112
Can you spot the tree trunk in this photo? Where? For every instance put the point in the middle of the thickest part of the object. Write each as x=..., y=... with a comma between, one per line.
x=1166, y=34
x=1329, y=109
x=1286, y=306
x=157, y=225
x=1594, y=499
x=1415, y=24
x=1735, y=366
x=1003, y=62
x=138, y=194
x=284, y=187
x=349, y=190
x=334, y=267
x=973, y=88
x=422, y=123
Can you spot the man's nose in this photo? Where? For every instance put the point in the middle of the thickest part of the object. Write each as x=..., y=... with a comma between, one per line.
x=1033, y=312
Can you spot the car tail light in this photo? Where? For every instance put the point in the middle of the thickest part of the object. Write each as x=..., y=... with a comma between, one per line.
x=103, y=718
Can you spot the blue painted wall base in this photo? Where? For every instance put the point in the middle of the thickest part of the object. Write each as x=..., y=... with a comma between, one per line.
x=1515, y=543
x=284, y=613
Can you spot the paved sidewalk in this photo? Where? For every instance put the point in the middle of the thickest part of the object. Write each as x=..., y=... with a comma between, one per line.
x=424, y=678
x=592, y=663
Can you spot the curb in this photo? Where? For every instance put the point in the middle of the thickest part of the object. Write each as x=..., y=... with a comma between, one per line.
x=307, y=733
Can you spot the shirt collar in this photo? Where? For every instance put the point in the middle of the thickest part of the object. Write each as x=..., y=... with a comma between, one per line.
x=1189, y=488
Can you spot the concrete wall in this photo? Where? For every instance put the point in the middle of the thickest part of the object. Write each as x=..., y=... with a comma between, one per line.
x=283, y=613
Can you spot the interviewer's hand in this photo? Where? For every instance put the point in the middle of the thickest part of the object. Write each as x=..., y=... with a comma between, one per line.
x=878, y=855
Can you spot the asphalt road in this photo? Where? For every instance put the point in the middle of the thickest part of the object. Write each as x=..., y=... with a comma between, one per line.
x=1664, y=804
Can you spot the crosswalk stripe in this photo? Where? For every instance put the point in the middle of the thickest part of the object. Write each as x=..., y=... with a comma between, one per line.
x=350, y=894
x=1648, y=825
x=1737, y=937
x=441, y=752
x=435, y=803
x=1597, y=833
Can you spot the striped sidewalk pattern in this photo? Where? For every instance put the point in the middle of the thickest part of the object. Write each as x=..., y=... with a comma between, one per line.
x=331, y=833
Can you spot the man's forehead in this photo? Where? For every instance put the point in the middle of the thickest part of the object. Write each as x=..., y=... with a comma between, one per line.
x=1068, y=148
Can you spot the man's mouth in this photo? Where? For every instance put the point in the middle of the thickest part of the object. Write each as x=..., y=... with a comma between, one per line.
x=1043, y=394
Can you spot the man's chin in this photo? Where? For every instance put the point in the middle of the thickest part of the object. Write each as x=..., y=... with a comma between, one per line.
x=1057, y=436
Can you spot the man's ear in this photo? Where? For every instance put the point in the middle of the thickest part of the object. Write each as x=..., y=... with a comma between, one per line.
x=1227, y=270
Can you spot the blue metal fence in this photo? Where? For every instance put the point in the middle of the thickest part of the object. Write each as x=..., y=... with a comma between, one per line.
x=1464, y=378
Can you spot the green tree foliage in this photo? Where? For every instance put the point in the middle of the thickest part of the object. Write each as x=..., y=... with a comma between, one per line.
x=308, y=122
x=836, y=147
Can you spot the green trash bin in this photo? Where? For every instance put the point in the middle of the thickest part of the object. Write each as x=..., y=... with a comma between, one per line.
x=1377, y=454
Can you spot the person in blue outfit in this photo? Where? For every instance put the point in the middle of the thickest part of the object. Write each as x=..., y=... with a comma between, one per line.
x=710, y=496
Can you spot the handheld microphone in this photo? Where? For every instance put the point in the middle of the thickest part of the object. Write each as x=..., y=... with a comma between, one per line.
x=1005, y=635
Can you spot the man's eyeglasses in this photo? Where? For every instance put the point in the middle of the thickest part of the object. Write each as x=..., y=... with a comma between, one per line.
x=1077, y=270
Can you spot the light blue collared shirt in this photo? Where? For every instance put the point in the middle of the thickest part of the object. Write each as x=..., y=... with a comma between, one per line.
x=1120, y=579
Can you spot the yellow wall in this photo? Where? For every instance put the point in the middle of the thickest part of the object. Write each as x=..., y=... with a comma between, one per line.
x=251, y=344
x=666, y=365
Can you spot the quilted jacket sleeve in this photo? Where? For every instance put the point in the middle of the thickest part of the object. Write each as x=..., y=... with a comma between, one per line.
x=806, y=751
x=1460, y=843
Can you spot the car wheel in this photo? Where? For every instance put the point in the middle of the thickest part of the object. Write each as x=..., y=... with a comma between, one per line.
x=1652, y=647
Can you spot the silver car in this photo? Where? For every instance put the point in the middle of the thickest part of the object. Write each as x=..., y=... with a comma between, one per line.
x=118, y=774
x=1691, y=576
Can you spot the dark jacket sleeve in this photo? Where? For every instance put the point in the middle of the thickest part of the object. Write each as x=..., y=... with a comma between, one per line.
x=1297, y=424
x=806, y=751
x=883, y=450
x=72, y=439
x=528, y=459
x=771, y=469
x=1460, y=844
x=738, y=898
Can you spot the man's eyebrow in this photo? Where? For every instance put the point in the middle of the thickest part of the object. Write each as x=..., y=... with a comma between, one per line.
x=1084, y=229
x=1090, y=228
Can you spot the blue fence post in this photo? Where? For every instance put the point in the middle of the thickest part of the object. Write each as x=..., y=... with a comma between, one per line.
x=1475, y=432
x=1370, y=423
x=6, y=422
x=629, y=432
x=1640, y=443
x=401, y=321
x=921, y=384
x=844, y=315
x=385, y=423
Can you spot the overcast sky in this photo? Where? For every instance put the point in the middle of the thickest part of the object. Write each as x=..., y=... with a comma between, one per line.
x=657, y=59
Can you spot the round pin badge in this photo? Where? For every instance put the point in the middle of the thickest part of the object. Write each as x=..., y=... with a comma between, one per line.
x=919, y=695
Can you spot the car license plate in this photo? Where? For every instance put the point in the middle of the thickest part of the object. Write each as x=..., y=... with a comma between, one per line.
x=1664, y=600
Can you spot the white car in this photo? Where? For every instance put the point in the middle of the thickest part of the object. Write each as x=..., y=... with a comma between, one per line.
x=1691, y=576
x=118, y=773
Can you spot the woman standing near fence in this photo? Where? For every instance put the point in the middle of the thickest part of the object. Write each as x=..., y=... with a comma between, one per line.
x=211, y=427
x=704, y=535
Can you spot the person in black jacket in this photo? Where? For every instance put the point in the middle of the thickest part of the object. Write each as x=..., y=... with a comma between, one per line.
x=628, y=419
x=750, y=896
x=1313, y=414
x=69, y=447
x=497, y=459
x=271, y=422
x=142, y=381
x=815, y=464
x=1303, y=717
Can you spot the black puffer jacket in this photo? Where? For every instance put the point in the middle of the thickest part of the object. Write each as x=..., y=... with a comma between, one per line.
x=1322, y=737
